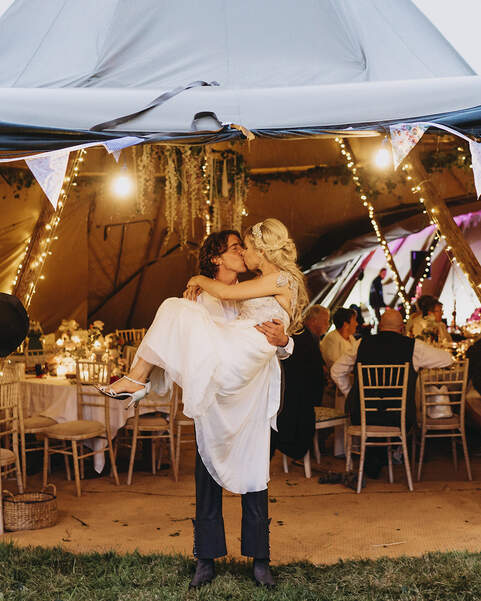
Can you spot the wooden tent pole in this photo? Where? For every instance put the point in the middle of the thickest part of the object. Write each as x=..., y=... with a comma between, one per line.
x=21, y=288
x=426, y=246
x=440, y=215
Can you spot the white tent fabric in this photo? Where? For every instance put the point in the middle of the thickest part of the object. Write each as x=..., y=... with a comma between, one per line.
x=279, y=63
x=448, y=281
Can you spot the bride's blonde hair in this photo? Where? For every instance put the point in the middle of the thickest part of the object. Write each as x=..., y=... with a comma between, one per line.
x=272, y=238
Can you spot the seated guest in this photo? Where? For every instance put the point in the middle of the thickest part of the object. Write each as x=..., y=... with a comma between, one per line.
x=362, y=328
x=474, y=356
x=416, y=318
x=304, y=383
x=340, y=340
x=389, y=346
x=435, y=315
x=431, y=321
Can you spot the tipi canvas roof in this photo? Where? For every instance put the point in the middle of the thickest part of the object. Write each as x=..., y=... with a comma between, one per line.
x=282, y=67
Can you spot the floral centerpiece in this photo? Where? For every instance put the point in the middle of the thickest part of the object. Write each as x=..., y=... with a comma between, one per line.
x=472, y=329
x=95, y=340
x=74, y=344
x=113, y=354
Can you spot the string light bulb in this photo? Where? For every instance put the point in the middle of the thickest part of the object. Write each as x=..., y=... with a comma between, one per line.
x=401, y=293
x=38, y=249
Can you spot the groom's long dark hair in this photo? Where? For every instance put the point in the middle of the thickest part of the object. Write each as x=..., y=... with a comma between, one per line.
x=214, y=245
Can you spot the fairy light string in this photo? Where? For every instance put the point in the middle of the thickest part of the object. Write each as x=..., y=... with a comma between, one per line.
x=432, y=216
x=400, y=289
x=37, y=251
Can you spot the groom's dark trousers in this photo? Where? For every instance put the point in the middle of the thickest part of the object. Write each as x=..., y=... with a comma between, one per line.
x=209, y=535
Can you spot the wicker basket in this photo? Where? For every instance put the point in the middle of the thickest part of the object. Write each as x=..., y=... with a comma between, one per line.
x=30, y=510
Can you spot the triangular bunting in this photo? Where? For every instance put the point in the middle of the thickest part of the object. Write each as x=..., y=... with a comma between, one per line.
x=49, y=171
x=404, y=136
x=475, y=148
x=115, y=146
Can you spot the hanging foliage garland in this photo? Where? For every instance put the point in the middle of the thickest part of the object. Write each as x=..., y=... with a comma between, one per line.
x=203, y=186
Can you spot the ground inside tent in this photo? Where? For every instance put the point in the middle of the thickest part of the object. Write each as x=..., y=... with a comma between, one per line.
x=310, y=521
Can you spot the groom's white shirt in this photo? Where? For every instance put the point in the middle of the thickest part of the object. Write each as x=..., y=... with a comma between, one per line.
x=229, y=309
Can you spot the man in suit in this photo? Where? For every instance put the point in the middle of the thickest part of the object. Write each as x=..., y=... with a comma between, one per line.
x=304, y=384
x=389, y=346
x=376, y=297
x=220, y=258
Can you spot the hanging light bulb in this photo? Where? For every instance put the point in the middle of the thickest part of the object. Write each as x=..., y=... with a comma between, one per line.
x=383, y=158
x=122, y=186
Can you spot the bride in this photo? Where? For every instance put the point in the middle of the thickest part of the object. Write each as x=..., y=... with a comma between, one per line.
x=229, y=374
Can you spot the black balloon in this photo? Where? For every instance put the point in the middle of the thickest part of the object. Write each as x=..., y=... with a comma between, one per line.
x=14, y=323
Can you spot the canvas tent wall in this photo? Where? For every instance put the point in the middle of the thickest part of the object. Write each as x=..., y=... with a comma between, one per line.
x=283, y=67
x=364, y=63
x=321, y=212
x=447, y=280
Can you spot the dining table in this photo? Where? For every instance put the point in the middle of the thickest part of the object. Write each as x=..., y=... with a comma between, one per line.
x=56, y=397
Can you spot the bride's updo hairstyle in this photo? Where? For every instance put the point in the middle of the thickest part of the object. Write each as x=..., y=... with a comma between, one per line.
x=272, y=238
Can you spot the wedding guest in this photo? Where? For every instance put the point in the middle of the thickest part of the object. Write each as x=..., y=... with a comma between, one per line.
x=415, y=321
x=474, y=356
x=304, y=384
x=336, y=343
x=389, y=346
x=362, y=328
x=435, y=314
x=431, y=321
x=376, y=297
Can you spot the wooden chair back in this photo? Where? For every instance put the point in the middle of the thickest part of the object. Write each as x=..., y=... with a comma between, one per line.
x=132, y=336
x=89, y=374
x=9, y=402
x=455, y=381
x=383, y=386
x=34, y=356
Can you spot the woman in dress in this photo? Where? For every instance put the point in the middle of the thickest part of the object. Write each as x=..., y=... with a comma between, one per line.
x=229, y=374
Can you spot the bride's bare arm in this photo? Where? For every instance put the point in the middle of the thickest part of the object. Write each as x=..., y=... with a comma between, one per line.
x=263, y=286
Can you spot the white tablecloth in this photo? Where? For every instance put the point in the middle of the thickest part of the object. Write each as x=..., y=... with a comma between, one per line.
x=57, y=398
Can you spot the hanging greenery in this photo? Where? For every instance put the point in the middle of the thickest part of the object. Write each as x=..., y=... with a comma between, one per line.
x=145, y=168
x=203, y=186
x=16, y=177
x=228, y=187
x=313, y=176
x=375, y=182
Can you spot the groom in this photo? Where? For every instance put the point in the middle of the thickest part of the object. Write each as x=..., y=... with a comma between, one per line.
x=221, y=258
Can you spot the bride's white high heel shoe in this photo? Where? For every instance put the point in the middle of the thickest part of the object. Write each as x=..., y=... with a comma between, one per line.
x=135, y=397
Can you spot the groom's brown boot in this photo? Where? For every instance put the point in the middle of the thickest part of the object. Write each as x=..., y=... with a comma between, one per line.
x=204, y=573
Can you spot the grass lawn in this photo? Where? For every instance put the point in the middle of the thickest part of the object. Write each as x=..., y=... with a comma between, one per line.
x=54, y=575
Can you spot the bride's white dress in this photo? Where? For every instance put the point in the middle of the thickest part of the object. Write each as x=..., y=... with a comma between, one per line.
x=230, y=378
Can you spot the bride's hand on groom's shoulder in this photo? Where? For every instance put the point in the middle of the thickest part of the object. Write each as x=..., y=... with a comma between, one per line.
x=195, y=281
x=192, y=292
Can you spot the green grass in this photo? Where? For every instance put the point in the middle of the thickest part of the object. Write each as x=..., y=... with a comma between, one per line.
x=54, y=575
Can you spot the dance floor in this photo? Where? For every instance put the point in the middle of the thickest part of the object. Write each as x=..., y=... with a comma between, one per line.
x=319, y=523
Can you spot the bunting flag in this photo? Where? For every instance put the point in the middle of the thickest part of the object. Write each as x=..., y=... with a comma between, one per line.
x=475, y=148
x=114, y=147
x=404, y=136
x=49, y=171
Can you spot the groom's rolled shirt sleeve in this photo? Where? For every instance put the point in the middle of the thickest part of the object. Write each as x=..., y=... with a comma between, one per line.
x=286, y=351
